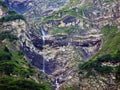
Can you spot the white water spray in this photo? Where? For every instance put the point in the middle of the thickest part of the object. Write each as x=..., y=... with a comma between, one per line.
x=43, y=38
x=57, y=84
x=43, y=35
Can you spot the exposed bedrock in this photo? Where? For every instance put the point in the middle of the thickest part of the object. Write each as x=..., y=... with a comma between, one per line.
x=60, y=54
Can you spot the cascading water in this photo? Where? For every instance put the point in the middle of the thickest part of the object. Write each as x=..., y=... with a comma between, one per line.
x=43, y=35
x=43, y=38
x=57, y=84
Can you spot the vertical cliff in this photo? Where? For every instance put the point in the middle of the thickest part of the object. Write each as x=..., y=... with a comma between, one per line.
x=74, y=42
x=15, y=71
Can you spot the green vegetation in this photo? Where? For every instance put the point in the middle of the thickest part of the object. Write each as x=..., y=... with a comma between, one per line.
x=8, y=35
x=110, y=58
x=93, y=66
x=20, y=84
x=11, y=12
x=5, y=54
x=11, y=17
x=0, y=2
x=77, y=12
x=14, y=64
x=15, y=71
x=11, y=63
x=111, y=38
x=97, y=64
x=66, y=30
x=117, y=73
x=5, y=8
x=60, y=30
x=109, y=53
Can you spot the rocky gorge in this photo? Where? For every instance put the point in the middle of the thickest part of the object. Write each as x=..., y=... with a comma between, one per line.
x=57, y=40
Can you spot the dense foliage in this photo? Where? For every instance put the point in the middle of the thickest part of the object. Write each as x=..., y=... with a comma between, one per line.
x=20, y=84
x=11, y=17
x=103, y=69
x=15, y=71
x=8, y=35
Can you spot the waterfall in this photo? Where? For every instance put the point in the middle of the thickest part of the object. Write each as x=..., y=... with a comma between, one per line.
x=57, y=84
x=43, y=35
x=43, y=38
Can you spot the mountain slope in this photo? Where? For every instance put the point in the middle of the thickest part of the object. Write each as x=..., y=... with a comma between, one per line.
x=77, y=45
x=15, y=71
x=105, y=65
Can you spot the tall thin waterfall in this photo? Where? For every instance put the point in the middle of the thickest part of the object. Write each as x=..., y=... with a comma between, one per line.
x=57, y=85
x=43, y=38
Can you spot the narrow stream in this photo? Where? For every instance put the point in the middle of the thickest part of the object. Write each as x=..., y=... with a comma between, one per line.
x=56, y=83
x=43, y=38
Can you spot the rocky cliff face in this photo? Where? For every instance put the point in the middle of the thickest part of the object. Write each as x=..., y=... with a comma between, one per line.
x=36, y=8
x=62, y=51
x=14, y=69
x=64, y=38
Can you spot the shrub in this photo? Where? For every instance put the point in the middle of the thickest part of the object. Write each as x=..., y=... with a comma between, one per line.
x=28, y=85
x=5, y=55
x=8, y=35
x=105, y=58
x=7, y=67
x=12, y=17
x=103, y=69
x=12, y=12
x=9, y=83
x=118, y=73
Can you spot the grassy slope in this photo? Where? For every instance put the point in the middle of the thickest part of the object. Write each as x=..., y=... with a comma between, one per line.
x=77, y=12
x=15, y=71
x=67, y=11
x=110, y=52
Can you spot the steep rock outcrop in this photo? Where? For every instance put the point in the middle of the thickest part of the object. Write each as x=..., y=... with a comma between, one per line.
x=70, y=38
x=15, y=70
